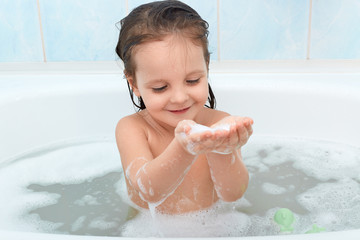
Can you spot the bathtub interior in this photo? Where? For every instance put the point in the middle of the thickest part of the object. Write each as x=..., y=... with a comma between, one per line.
x=42, y=109
x=46, y=109
x=301, y=105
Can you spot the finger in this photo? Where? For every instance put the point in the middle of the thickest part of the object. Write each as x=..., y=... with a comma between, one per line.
x=250, y=131
x=222, y=135
x=184, y=126
x=249, y=120
x=233, y=136
x=244, y=137
x=200, y=138
x=206, y=145
x=234, y=140
x=242, y=133
x=230, y=142
x=248, y=126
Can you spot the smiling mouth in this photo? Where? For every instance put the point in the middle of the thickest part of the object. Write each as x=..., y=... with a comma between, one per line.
x=180, y=111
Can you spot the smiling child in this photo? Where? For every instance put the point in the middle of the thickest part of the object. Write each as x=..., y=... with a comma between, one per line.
x=178, y=153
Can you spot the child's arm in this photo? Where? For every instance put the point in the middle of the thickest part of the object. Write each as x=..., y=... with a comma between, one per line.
x=153, y=178
x=229, y=175
x=228, y=171
x=222, y=143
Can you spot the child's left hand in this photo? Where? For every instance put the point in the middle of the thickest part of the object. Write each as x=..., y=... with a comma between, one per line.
x=237, y=135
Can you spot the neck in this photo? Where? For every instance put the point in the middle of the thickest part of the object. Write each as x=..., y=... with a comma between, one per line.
x=162, y=129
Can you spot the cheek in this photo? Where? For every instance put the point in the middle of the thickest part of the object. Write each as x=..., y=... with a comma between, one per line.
x=202, y=93
x=153, y=101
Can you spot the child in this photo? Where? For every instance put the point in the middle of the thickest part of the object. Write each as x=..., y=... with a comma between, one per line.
x=177, y=153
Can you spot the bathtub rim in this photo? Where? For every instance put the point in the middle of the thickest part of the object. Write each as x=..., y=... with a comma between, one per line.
x=346, y=234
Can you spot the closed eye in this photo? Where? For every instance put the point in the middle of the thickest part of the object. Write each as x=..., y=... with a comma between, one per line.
x=160, y=89
x=195, y=81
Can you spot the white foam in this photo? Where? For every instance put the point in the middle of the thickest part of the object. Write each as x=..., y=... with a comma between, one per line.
x=333, y=203
x=198, y=128
x=102, y=224
x=66, y=165
x=271, y=188
x=141, y=186
x=343, y=194
x=87, y=200
x=319, y=159
x=78, y=224
x=329, y=161
x=334, y=206
x=218, y=221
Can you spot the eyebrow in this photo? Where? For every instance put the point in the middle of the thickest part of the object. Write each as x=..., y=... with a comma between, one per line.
x=163, y=80
x=196, y=72
x=154, y=81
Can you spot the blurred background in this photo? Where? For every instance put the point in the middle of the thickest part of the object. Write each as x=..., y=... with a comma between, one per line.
x=87, y=30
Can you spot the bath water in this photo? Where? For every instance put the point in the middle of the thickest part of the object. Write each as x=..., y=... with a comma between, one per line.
x=78, y=188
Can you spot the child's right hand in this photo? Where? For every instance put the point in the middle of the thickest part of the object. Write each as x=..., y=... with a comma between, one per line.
x=191, y=142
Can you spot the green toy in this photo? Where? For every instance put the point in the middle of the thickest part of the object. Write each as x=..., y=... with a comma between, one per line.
x=316, y=229
x=285, y=218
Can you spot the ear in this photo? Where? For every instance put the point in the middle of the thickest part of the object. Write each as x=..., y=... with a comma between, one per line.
x=132, y=84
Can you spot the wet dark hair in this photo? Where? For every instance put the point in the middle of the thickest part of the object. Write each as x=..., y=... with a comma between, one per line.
x=153, y=21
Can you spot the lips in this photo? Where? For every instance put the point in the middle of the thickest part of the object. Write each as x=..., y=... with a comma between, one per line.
x=180, y=111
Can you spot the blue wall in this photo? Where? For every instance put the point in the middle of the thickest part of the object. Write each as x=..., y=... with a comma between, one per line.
x=85, y=30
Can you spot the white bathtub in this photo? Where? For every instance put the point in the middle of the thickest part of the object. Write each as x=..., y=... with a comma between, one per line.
x=44, y=105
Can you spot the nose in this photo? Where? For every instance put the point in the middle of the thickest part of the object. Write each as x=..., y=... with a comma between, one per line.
x=179, y=96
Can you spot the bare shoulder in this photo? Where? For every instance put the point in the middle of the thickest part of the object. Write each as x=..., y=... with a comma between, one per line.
x=129, y=126
x=212, y=116
x=132, y=138
x=130, y=120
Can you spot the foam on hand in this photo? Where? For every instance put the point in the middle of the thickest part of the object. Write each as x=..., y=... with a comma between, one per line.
x=198, y=128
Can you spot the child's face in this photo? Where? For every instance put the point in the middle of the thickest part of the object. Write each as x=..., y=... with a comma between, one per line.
x=171, y=78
